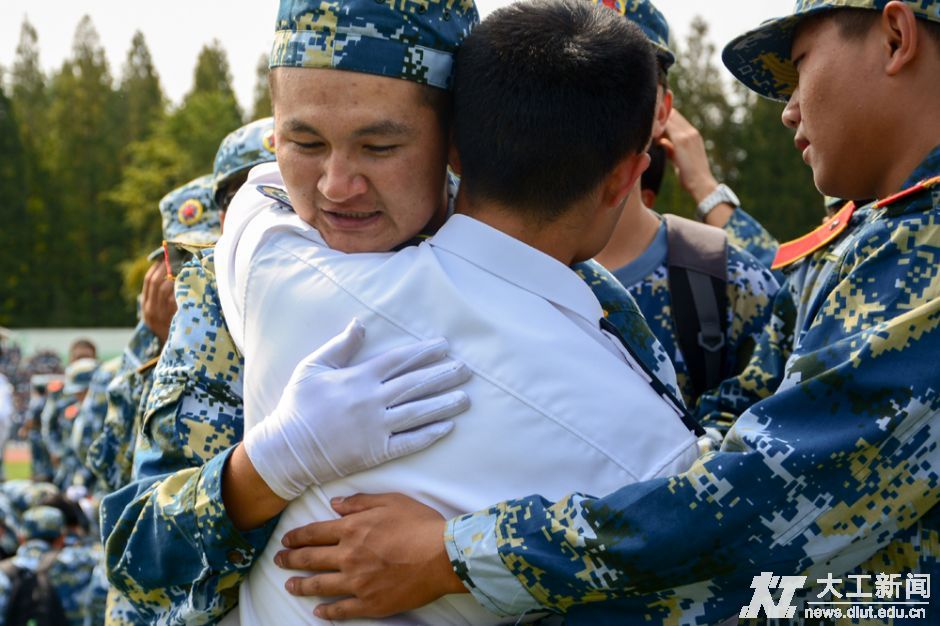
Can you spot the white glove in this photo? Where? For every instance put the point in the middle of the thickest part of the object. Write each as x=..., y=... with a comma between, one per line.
x=334, y=420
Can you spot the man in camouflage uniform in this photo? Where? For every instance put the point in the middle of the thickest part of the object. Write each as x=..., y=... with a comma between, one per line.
x=42, y=388
x=644, y=246
x=194, y=415
x=191, y=220
x=87, y=425
x=69, y=570
x=717, y=205
x=58, y=418
x=835, y=473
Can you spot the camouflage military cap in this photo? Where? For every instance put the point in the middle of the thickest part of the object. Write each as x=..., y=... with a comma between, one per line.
x=24, y=493
x=190, y=215
x=410, y=39
x=760, y=58
x=78, y=375
x=651, y=22
x=43, y=522
x=241, y=150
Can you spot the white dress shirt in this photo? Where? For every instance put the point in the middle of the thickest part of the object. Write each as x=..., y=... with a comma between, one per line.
x=556, y=407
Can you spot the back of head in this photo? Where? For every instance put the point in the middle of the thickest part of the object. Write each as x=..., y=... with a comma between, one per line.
x=72, y=515
x=82, y=349
x=549, y=95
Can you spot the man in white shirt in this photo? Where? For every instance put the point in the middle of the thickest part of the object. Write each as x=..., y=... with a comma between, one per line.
x=558, y=399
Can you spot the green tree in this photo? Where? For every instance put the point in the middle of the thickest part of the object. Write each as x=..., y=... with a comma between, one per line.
x=701, y=95
x=39, y=229
x=30, y=99
x=15, y=258
x=181, y=147
x=262, y=95
x=85, y=150
x=209, y=111
x=155, y=166
x=140, y=91
x=212, y=73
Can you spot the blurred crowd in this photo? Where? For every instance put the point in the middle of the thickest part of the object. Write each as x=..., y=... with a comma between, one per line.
x=49, y=540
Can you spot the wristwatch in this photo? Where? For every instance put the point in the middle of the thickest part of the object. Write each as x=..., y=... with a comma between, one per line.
x=722, y=194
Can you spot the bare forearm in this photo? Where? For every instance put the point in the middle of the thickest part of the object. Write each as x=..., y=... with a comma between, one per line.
x=248, y=500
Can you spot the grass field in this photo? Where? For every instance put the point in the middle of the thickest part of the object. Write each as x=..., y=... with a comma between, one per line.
x=16, y=461
x=16, y=469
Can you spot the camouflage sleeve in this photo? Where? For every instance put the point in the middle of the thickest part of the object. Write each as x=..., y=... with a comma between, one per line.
x=169, y=544
x=92, y=413
x=746, y=233
x=752, y=297
x=110, y=454
x=818, y=477
x=622, y=311
x=142, y=347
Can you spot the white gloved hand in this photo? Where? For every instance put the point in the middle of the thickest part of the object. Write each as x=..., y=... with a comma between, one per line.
x=334, y=420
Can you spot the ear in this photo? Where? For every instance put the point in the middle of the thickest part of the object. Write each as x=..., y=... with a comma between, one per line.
x=899, y=30
x=621, y=180
x=663, y=111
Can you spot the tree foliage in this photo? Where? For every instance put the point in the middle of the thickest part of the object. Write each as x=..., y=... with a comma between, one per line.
x=85, y=159
x=142, y=98
x=262, y=95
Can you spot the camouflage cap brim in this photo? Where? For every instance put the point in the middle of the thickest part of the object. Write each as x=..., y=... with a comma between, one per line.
x=760, y=58
x=197, y=238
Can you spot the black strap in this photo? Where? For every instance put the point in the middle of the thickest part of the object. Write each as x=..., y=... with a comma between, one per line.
x=690, y=422
x=698, y=290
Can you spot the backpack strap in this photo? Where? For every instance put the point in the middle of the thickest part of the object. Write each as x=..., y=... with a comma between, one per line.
x=698, y=276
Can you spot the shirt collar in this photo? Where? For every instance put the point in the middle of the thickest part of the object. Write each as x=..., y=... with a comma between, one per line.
x=651, y=259
x=518, y=263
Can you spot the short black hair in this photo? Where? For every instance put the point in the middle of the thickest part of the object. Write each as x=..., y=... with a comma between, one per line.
x=83, y=346
x=652, y=178
x=855, y=23
x=71, y=511
x=549, y=95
